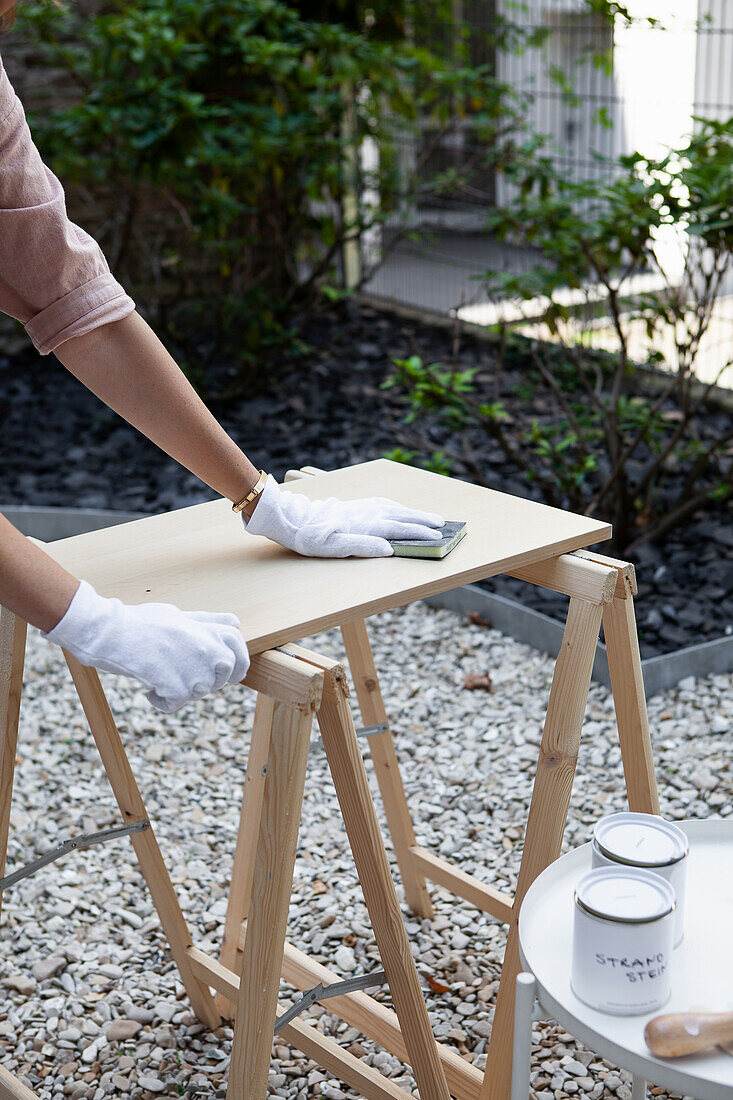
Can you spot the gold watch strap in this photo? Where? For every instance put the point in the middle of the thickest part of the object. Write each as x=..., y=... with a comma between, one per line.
x=252, y=494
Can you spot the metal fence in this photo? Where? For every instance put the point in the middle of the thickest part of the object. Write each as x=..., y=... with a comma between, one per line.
x=655, y=82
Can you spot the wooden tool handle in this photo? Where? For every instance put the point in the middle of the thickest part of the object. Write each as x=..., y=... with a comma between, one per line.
x=686, y=1032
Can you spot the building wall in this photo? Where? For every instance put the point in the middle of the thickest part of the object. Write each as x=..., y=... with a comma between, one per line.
x=714, y=60
x=654, y=72
x=648, y=96
x=569, y=99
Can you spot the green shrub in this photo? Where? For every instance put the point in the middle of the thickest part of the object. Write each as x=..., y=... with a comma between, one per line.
x=211, y=141
x=615, y=442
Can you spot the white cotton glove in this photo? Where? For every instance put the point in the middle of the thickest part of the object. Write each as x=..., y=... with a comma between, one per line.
x=338, y=528
x=177, y=655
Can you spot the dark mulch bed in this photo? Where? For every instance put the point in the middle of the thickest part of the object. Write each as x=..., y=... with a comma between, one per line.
x=60, y=447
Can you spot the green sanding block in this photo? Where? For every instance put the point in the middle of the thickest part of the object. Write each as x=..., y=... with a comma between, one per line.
x=452, y=532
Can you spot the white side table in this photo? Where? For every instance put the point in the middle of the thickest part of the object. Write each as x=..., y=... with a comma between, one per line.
x=702, y=970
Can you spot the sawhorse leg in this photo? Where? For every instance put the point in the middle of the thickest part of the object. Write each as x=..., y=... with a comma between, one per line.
x=627, y=685
x=360, y=819
x=272, y=883
x=132, y=808
x=12, y=656
x=384, y=756
x=13, y=1089
x=12, y=651
x=240, y=889
x=548, y=813
x=551, y=796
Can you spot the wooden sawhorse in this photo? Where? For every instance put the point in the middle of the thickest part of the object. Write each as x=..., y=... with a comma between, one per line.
x=197, y=559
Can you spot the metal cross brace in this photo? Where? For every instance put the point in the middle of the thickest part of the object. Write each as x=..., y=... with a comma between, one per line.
x=322, y=992
x=84, y=841
x=370, y=731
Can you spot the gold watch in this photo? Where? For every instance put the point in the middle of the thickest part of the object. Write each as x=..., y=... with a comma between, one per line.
x=253, y=494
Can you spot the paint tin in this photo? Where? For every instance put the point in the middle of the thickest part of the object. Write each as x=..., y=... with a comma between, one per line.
x=650, y=843
x=622, y=940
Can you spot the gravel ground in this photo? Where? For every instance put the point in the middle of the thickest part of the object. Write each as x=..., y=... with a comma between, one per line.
x=90, y=1003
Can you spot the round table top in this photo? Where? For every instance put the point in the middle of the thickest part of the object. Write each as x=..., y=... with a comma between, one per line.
x=702, y=974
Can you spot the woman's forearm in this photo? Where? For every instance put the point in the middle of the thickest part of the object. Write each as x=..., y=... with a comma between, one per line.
x=125, y=364
x=32, y=585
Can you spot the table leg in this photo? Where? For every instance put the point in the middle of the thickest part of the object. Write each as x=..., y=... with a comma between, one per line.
x=271, y=889
x=357, y=808
x=132, y=807
x=12, y=655
x=548, y=812
x=627, y=684
x=384, y=757
x=522, y=1053
x=638, y=1088
x=240, y=890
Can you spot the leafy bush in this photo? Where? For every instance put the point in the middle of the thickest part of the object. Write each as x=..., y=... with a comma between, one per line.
x=210, y=143
x=610, y=442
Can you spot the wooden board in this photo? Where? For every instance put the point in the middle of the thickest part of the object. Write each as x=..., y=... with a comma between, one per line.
x=199, y=558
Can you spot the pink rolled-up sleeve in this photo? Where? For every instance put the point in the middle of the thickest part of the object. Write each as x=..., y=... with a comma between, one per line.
x=53, y=276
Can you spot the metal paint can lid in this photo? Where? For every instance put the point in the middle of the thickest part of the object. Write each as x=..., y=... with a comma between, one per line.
x=640, y=840
x=625, y=896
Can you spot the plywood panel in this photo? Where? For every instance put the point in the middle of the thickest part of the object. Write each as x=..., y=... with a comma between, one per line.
x=200, y=559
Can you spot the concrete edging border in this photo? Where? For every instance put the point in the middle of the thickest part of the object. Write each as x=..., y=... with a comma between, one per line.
x=524, y=624
x=49, y=524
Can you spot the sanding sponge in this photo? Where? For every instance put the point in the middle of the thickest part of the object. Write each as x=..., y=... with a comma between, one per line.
x=453, y=532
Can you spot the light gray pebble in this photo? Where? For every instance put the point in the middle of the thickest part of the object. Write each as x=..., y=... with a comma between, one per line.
x=131, y=918
x=48, y=968
x=136, y=1012
x=111, y=970
x=345, y=959
x=153, y=1084
x=89, y=1054
x=571, y=1065
x=703, y=779
x=71, y=1034
x=22, y=983
x=67, y=982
